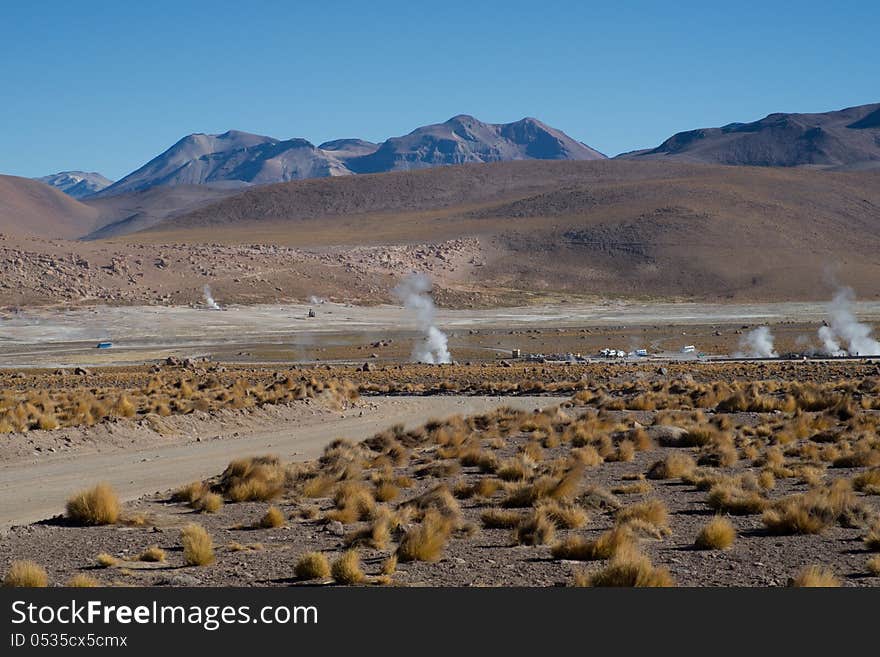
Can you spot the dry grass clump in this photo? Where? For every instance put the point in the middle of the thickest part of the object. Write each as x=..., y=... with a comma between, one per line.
x=386, y=491
x=347, y=568
x=535, y=529
x=198, y=548
x=95, y=506
x=272, y=519
x=312, y=565
x=153, y=554
x=425, y=541
x=255, y=479
x=354, y=501
x=561, y=488
x=813, y=511
x=873, y=565
x=868, y=482
x=82, y=581
x=674, y=466
x=872, y=538
x=208, y=503
x=189, y=493
x=564, y=515
x=578, y=548
x=718, y=534
x=631, y=568
x=729, y=497
x=650, y=512
x=104, y=560
x=500, y=518
x=26, y=574
x=635, y=488
x=815, y=577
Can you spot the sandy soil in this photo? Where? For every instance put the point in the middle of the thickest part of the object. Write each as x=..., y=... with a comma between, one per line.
x=137, y=459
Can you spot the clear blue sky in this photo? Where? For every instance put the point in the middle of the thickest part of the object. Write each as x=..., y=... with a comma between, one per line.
x=106, y=86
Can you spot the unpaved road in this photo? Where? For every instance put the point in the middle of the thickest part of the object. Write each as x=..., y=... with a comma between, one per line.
x=35, y=491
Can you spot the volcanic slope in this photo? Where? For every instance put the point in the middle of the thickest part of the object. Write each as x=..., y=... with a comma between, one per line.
x=597, y=227
x=30, y=207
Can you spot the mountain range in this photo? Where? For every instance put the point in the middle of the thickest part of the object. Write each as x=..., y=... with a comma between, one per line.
x=848, y=138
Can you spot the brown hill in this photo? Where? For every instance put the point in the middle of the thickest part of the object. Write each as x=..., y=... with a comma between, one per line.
x=30, y=207
x=848, y=138
x=618, y=227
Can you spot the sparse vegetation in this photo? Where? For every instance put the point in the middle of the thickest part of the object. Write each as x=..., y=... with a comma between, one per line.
x=718, y=534
x=815, y=577
x=312, y=565
x=26, y=574
x=198, y=548
x=347, y=568
x=96, y=506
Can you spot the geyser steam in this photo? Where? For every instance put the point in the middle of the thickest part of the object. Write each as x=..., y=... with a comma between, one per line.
x=757, y=344
x=843, y=329
x=414, y=293
x=209, y=300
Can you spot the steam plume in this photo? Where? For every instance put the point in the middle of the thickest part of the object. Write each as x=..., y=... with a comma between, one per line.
x=844, y=329
x=414, y=293
x=209, y=300
x=757, y=344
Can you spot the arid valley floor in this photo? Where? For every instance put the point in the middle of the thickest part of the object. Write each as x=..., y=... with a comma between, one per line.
x=318, y=455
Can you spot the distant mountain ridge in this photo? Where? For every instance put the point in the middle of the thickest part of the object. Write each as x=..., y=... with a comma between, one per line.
x=848, y=138
x=250, y=159
x=77, y=184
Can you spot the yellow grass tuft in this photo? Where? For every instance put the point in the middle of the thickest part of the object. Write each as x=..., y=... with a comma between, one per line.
x=26, y=574
x=652, y=512
x=198, y=548
x=82, y=581
x=500, y=518
x=873, y=565
x=95, y=506
x=153, y=553
x=578, y=548
x=718, y=534
x=272, y=519
x=105, y=560
x=426, y=541
x=674, y=466
x=347, y=568
x=535, y=529
x=815, y=577
x=312, y=565
x=631, y=568
x=208, y=503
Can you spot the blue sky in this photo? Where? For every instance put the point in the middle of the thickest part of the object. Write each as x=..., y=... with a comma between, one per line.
x=106, y=86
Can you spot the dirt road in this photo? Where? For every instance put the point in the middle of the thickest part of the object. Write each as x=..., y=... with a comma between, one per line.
x=35, y=491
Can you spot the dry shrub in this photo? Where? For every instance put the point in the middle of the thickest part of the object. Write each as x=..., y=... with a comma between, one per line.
x=386, y=491
x=312, y=565
x=873, y=566
x=378, y=533
x=198, y=548
x=104, y=560
x=425, y=542
x=872, y=538
x=564, y=515
x=208, y=503
x=438, y=498
x=868, y=482
x=153, y=554
x=729, y=497
x=815, y=577
x=652, y=512
x=319, y=486
x=599, y=498
x=26, y=574
x=674, y=466
x=500, y=518
x=95, y=506
x=629, y=567
x=255, y=479
x=347, y=568
x=514, y=469
x=354, y=501
x=272, y=519
x=535, y=529
x=82, y=581
x=635, y=488
x=578, y=548
x=486, y=487
x=718, y=534
x=813, y=511
x=189, y=493
x=389, y=566
x=587, y=455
